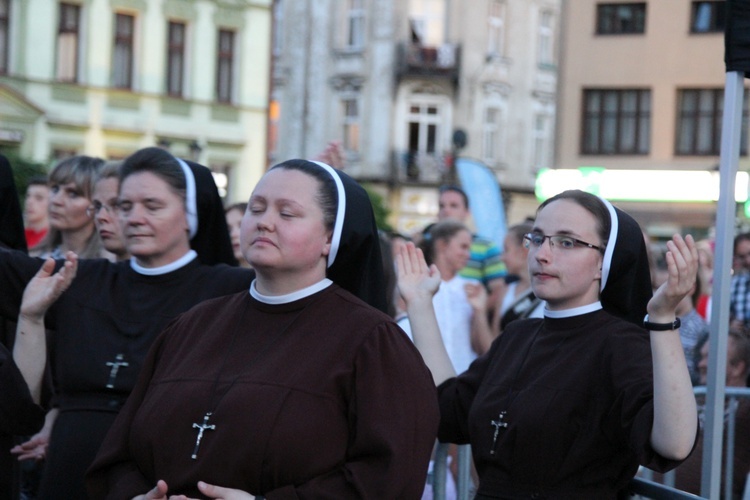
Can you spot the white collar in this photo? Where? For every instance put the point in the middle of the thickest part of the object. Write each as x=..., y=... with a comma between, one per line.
x=172, y=266
x=575, y=311
x=289, y=297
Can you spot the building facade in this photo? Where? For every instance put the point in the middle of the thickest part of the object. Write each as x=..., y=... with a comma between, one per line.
x=107, y=77
x=641, y=89
x=394, y=81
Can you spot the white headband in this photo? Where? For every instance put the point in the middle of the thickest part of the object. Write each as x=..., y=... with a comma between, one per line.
x=609, y=250
x=191, y=209
x=341, y=210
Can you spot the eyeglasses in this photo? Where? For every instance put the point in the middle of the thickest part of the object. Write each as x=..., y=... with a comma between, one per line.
x=94, y=209
x=558, y=241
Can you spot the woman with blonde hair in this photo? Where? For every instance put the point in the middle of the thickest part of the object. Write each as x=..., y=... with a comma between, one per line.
x=71, y=185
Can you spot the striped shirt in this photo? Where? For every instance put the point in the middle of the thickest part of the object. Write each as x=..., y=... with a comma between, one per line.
x=484, y=263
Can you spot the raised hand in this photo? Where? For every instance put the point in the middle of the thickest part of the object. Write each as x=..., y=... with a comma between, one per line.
x=416, y=280
x=332, y=155
x=682, y=269
x=476, y=293
x=417, y=283
x=45, y=287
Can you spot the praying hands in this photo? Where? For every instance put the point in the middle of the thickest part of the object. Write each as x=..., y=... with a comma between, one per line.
x=212, y=491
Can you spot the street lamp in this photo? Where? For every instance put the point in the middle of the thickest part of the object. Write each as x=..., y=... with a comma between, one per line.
x=195, y=150
x=459, y=141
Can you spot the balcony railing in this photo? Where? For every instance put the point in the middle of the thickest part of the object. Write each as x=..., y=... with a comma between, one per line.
x=419, y=167
x=442, y=61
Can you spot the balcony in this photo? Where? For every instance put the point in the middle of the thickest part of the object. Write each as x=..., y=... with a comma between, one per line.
x=417, y=60
x=414, y=167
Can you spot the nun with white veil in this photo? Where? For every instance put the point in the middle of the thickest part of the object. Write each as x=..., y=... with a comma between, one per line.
x=301, y=387
x=569, y=405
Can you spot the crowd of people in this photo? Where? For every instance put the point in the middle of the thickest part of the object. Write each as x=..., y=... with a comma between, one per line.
x=284, y=347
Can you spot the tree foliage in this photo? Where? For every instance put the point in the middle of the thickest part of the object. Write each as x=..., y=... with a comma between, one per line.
x=380, y=209
x=23, y=170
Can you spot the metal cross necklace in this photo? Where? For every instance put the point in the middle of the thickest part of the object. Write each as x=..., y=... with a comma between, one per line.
x=204, y=426
x=500, y=422
x=115, y=365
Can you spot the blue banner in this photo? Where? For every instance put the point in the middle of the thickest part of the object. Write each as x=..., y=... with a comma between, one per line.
x=485, y=199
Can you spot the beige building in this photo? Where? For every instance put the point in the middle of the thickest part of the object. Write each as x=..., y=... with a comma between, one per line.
x=393, y=80
x=641, y=89
x=106, y=77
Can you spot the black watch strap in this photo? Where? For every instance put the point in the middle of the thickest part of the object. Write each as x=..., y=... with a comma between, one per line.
x=661, y=327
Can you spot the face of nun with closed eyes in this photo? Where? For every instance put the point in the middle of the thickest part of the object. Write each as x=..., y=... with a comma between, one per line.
x=153, y=220
x=283, y=233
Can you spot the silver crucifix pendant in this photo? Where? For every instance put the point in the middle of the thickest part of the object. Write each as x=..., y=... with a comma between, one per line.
x=497, y=424
x=201, y=427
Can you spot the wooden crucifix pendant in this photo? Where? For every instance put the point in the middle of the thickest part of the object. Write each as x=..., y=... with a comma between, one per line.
x=201, y=427
x=497, y=424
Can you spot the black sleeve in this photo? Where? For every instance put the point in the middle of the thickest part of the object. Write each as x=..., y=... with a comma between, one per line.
x=18, y=413
x=16, y=270
x=11, y=220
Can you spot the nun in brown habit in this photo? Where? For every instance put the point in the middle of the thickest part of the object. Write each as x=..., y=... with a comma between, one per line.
x=301, y=387
x=569, y=405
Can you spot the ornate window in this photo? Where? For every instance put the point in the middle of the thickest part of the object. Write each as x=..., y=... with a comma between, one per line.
x=122, y=60
x=225, y=66
x=68, y=42
x=4, y=35
x=175, y=58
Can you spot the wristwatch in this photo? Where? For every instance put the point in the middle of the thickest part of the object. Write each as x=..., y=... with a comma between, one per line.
x=661, y=327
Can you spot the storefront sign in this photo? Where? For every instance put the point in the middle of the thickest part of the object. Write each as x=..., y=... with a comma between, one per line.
x=639, y=185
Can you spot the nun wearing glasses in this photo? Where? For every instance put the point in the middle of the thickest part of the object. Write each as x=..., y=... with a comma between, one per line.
x=569, y=405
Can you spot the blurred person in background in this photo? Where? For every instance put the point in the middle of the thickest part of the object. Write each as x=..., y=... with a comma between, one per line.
x=485, y=264
x=35, y=212
x=705, y=277
x=103, y=209
x=71, y=184
x=688, y=475
x=234, y=214
x=741, y=254
x=519, y=300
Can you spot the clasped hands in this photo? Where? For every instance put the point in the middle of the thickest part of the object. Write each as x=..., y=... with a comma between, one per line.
x=212, y=491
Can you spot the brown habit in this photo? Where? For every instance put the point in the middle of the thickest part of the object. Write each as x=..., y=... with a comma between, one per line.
x=323, y=397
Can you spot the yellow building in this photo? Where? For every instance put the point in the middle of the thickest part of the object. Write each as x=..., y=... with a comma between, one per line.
x=106, y=77
x=641, y=89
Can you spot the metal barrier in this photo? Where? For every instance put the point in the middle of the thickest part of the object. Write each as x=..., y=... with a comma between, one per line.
x=464, y=483
x=642, y=487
